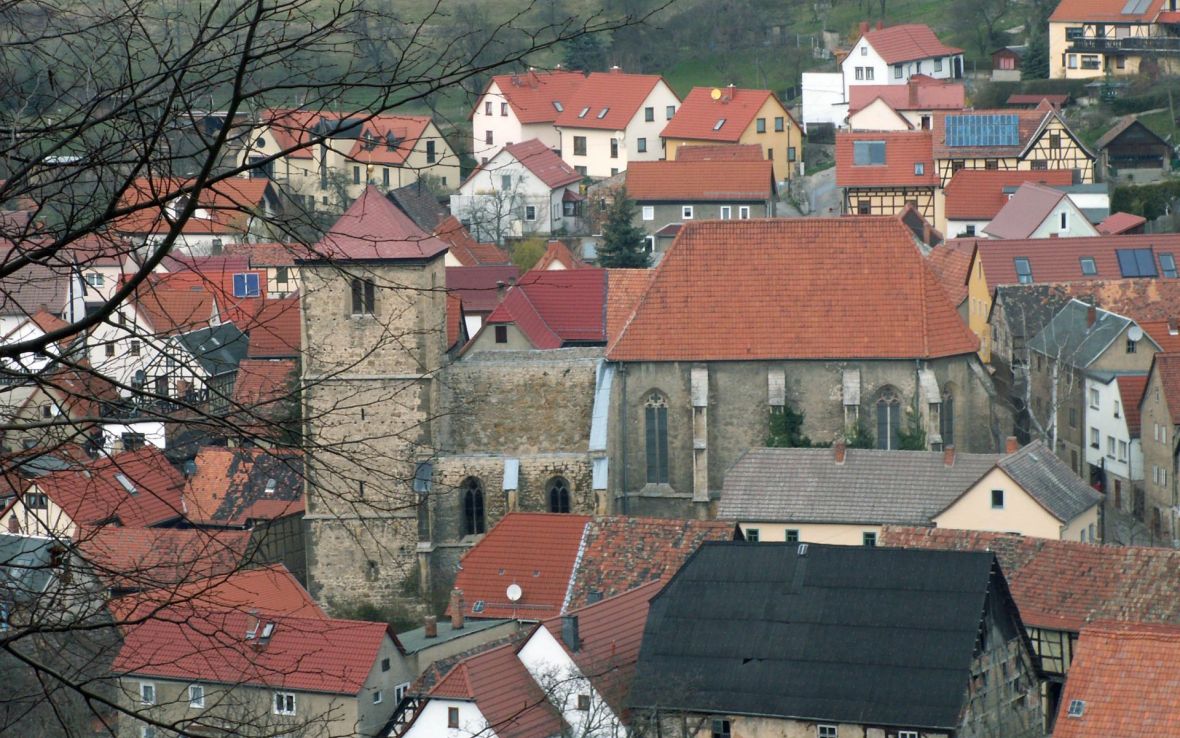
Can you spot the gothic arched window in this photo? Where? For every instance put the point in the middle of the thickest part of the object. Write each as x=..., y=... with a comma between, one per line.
x=473, y=513
x=946, y=420
x=559, y=495
x=655, y=423
x=888, y=419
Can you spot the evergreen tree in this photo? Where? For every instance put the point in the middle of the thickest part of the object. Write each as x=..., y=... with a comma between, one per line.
x=1035, y=64
x=586, y=53
x=786, y=429
x=622, y=240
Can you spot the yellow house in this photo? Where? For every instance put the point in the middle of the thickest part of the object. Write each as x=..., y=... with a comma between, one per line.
x=1092, y=38
x=711, y=115
x=846, y=496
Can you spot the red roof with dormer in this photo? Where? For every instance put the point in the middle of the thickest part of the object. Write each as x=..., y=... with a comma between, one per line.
x=535, y=96
x=904, y=151
x=607, y=100
x=726, y=118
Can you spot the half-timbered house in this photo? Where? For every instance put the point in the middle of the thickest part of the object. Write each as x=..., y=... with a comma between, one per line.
x=881, y=172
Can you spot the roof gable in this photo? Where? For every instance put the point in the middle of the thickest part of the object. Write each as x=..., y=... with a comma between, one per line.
x=1070, y=337
x=978, y=194
x=543, y=163
x=373, y=228
x=1049, y=481
x=717, y=114
x=556, y=308
x=908, y=42
x=537, y=96
x=1026, y=211
x=608, y=100
x=700, y=181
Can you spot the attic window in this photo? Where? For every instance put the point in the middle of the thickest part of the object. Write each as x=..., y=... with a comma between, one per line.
x=270, y=486
x=478, y=606
x=558, y=106
x=602, y=113
x=1168, y=265
x=1089, y=268
x=584, y=111
x=246, y=285
x=717, y=126
x=268, y=630
x=1077, y=708
x=127, y=485
x=1023, y=270
x=868, y=153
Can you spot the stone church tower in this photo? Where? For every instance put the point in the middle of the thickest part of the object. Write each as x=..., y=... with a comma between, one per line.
x=374, y=335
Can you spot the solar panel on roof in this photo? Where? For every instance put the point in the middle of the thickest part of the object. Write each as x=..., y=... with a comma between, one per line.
x=1135, y=7
x=982, y=130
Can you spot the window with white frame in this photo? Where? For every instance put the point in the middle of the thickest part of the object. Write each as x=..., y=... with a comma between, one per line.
x=196, y=695
x=1094, y=438
x=686, y=212
x=1094, y=398
x=530, y=212
x=1122, y=451
x=1110, y=446
x=649, y=212
x=743, y=212
x=399, y=692
x=726, y=212
x=868, y=72
x=147, y=693
x=377, y=697
x=826, y=731
x=94, y=279
x=897, y=71
x=284, y=703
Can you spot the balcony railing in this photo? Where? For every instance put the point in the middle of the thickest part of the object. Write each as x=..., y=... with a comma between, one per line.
x=1129, y=45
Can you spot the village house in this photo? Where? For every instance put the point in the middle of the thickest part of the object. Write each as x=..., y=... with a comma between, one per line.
x=613, y=119
x=129, y=560
x=975, y=196
x=883, y=172
x=517, y=107
x=524, y=190
x=1006, y=64
x=669, y=193
x=548, y=309
x=1092, y=38
x=1039, y=211
x=845, y=496
x=836, y=623
x=1116, y=462
x=465, y=251
x=732, y=115
x=892, y=55
x=889, y=107
x=1132, y=152
x=1160, y=466
x=479, y=290
x=198, y=366
x=324, y=160
x=278, y=259
x=1061, y=587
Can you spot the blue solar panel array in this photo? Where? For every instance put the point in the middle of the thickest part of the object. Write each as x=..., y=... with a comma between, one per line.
x=982, y=130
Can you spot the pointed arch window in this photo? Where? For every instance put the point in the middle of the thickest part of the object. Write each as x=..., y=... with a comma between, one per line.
x=888, y=420
x=947, y=420
x=656, y=432
x=559, y=495
x=474, y=521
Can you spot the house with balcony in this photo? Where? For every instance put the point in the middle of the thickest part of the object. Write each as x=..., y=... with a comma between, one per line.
x=1093, y=38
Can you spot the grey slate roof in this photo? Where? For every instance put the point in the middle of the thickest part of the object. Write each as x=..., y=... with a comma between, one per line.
x=419, y=203
x=25, y=569
x=849, y=634
x=415, y=640
x=1069, y=337
x=1050, y=481
x=878, y=487
x=218, y=349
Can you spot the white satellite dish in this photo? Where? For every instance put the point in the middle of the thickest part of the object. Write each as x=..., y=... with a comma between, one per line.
x=1135, y=333
x=514, y=592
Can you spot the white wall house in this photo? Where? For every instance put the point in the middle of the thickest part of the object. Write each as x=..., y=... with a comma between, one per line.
x=892, y=55
x=122, y=347
x=524, y=190
x=1109, y=444
x=1022, y=217
x=519, y=107
x=567, y=688
x=824, y=99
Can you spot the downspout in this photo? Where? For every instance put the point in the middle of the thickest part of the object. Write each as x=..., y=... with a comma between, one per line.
x=623, y=436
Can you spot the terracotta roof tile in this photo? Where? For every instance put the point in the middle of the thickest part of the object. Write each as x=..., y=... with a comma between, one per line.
x=225, y=206
x=978, y=194
x=536, y=551
x=268, y=590
x=808, y=281
x=388, y=139
x=1063, y=585
x=1118, y=223
x=506, y=695
x=542, y=162
x=907, y=42
x=1131, y=387
x=309, y=654
x=137, y=488
x=1028, y=122
x=266, y=254
x=699, y=114
x=275, y=328
x=532, y=95
x=478, y=286
x=1103, y=10
x=557, y=253
x=233, y=486
x=1150, y=302
x=951, y=263
x=720, y=152
x=914, y=95
x=149, y=558
x=700, y=181
x=903, y=151
x=617, y=93
x=174, y=303
x=556, y=308
x=1125, y=676
x=625, y=288
x=1025, y=212
x=375, y=228
x=466, y=249
x=1059, y=259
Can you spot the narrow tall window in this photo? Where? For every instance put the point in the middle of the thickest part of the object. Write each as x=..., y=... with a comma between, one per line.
x=364, y=296
x=473, y=513
x=947, y=420
x=656, y=431
x=888, y=420
x=559, y=495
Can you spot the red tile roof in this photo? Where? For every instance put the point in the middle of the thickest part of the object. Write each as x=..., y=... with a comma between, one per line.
x=1103, y=10
x=1125, y=675
x=951, y=263
x=916, y=94
x=1152, y=302
x=556, y=308
x=466, y=249
x=720, y=152
x=619, y=94
x=388, y=139
x=96, y=494
x=1063, y=585
x=375, y=228
x=543, y=163
x=268, y=254
x=532, y=95
x=610, y=632
x=1058, y=259
x=903, y=149
x=620, y=553
x=978, y=194
x=479, y=286
x=267, y=590
x=1167, y=368
x=174, y=303
x=699, y=114
x=149, y=558
x=1131, y=387
x=1028, y=122
x=275, y=328
x=793, y=289
x=265, y=392
x=223, y=207
x=291, y=129
x=506, y=695
x=1029, y=207
x=556, y=252
x=700, y=181
x=536, y=551
x=232, y=486
x=625, y=288
x=907, y=42
x=1118, y=223
x=307, y=654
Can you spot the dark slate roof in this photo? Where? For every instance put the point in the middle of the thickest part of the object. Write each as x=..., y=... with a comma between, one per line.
x=417, y=201
x=1069, y=336
x=25, y=569
x=843, y=634
x=1050, y=481
x=1029, y=307
x=807, y=485
x=218, y=349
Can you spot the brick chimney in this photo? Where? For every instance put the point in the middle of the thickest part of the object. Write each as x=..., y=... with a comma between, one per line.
x=730, y=91
x=430, y=627
x=880, y=25
x=1091, y=315
x=457, y=609
x=948, y=456
x=841, y=449
x=1011, y=445
x=864, y=27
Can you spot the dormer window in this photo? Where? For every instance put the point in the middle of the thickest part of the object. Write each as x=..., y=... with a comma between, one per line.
x=584, y=111
x=718, y=124
x=602, y=113
x=868, y=153
x=1023, y=270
